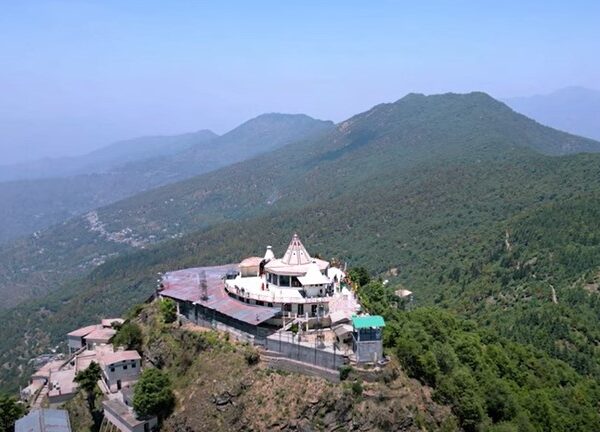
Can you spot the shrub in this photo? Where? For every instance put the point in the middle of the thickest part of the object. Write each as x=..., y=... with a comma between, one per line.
x=168, y=310
x=345, y=372
x=129, y=336
x=251, y=357
x=357, y=388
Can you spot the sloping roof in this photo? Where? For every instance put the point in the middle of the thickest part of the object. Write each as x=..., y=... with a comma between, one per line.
x=342, y=329
x=251, y=262
x=296, y=253
x=269, y=255
x=83, y=331
x=277, y=266
x=122, y=412
x=367, y=321
x=42, y=420
x=339, y=316
x=119, y=356
x=403, y=293
x=101, y=334
x=313, y=276
x=183, y=285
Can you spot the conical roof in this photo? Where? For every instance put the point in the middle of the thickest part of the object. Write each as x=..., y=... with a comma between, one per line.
x=296, y=253
x=269, y=255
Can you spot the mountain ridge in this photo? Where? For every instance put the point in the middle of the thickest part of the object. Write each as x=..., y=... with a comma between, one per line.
x=395, y=138
x=572, y=109
x=35, y=204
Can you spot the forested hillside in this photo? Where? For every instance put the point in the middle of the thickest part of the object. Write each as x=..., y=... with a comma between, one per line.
x=448, y=196
x=389, y=146
x=126, y=168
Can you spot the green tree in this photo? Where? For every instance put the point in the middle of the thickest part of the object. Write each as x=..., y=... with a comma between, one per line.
x=129, y=336
x=168, y=310
x=87, y=380
x=10, y=411
x=153, y=394
x=359, y=275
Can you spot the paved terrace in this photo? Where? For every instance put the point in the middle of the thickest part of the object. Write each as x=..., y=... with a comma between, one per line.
x=184, y=285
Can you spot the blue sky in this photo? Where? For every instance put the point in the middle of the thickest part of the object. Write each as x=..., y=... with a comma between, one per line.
x=75, y=75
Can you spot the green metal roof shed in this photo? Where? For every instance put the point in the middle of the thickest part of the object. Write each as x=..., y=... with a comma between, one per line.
x=367, y=321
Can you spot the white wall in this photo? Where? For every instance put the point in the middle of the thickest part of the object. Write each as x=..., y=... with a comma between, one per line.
x=120, y=373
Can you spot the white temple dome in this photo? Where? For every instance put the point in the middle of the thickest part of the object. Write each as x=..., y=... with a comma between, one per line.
x=269, y=255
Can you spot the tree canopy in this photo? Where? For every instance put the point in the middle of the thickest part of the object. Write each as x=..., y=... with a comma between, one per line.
x=129, y=336
x=153, y=394
x=10, y=411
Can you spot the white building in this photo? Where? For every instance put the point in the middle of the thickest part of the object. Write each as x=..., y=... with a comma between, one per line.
x=92, y=335
x=120, y=414
x=120, y=368
x=298, y=284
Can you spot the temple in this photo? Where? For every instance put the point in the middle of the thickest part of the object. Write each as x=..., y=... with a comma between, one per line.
x=297, y=284
x=297, y=306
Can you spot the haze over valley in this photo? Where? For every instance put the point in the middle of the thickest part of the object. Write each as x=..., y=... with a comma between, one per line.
x=300, y=217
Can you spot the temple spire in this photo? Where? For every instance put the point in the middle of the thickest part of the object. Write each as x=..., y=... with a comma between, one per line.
x=296, y=253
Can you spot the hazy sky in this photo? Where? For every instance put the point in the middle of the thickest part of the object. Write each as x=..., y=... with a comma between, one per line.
x=75, y=75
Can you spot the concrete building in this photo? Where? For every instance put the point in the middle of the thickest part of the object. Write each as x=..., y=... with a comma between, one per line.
x=61, y=386
x=92, y=335
x=120, y=369
x=119, y=413
x=296, y=284
x=44, y=420
x=76, y=338
x=366, y=338
x=100, y=336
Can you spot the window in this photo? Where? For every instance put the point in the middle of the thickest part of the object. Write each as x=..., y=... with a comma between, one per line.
x=300, y=309
x=112, y=368
x=287, y=307
x=284, y=280
x=270, y=304
x=133, y=365
x=260, y=303
x=313, y=310
x=124, y=367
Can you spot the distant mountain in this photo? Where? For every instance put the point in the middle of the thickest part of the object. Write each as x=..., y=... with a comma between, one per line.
x=475, y=208
x=123, y=169
x=105, y=158
x=390, y=144
x=572, y=109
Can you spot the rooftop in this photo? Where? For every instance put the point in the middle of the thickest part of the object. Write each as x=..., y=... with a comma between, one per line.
x=119, y=356
x=402, y=293
x=296, y=261
x=101, y=334
x=44, y=420
x=367, y=321
x=83, y=331
x=44, y=371
x=185, y=285
x=63, y=382
x=117, y=408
